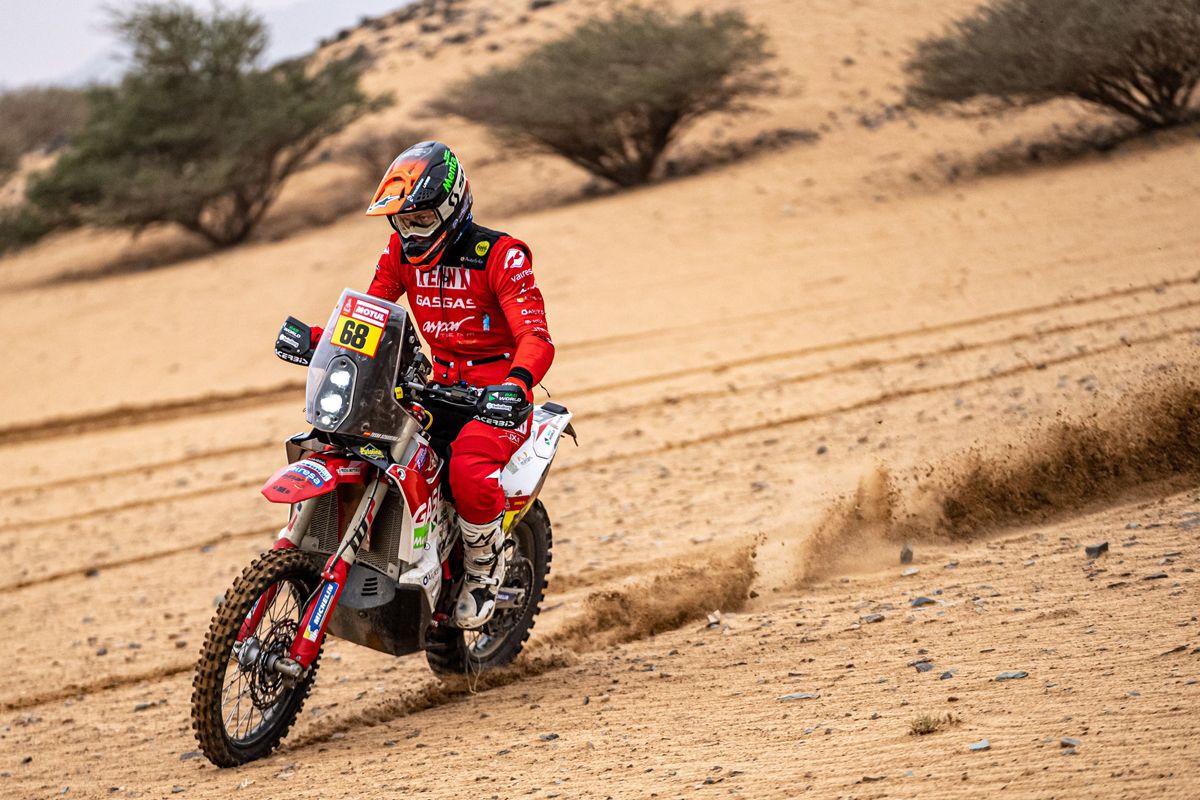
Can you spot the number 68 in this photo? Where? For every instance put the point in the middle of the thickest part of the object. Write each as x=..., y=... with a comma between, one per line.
x=354, y=334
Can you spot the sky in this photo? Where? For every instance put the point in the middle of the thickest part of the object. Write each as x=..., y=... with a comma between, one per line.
x=67, y=41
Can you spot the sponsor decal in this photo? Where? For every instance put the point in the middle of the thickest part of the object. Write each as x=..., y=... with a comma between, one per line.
x=454, y=279
x=308, y=475
x=383, y=201
x=441, y=328
x=514, y=258
x=353, y=469
x=314, y=623
x=482, y=248
x=397, y=473
x=317, y=467
x=370, y=451
x=487, y=322
x=445, y=302
x=422, y=457
x=376, y=435
x=452, y=162
x=420, y=536
x=292, y=358
x=522, y=275
x=368, y=312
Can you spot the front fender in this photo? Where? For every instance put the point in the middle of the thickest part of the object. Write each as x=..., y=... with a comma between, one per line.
x=312, y=477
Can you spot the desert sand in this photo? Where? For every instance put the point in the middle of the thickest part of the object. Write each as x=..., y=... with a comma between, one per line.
x=782, y=369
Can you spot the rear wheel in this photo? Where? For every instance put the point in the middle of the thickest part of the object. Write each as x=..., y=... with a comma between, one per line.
x=451, y=651
x=241, y=708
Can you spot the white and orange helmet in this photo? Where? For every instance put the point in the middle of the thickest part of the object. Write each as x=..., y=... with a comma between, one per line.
x=426, y=198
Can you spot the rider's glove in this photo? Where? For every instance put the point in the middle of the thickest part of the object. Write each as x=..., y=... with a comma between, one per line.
x=295, y=342
x=505, y=405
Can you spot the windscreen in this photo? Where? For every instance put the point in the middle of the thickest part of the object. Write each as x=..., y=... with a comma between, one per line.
x=366, y=345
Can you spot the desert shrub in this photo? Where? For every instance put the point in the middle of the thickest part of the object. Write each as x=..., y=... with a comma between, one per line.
x=197, y=133
x=925, y=724
x=1139, y=58
x=21, y=225
x=614, y=93
x=38, y=118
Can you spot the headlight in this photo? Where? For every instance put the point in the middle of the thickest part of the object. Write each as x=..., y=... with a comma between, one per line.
x=334, y=396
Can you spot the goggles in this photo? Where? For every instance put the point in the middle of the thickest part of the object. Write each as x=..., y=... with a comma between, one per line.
x=416, y=223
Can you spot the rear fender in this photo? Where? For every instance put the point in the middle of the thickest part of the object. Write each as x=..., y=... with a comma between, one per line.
x=312, y=477
x=526, y=471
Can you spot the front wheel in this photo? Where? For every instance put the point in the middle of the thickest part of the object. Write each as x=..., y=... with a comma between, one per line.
x=241, y=708
x=451, y=651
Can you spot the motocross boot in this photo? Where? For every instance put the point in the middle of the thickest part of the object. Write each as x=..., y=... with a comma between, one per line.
x=484, y=558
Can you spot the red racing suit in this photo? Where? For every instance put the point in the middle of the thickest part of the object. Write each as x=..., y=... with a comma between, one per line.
x=481, y=312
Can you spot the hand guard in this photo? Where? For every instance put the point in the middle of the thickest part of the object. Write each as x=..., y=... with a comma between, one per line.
x=294, y=342
x=504, y=405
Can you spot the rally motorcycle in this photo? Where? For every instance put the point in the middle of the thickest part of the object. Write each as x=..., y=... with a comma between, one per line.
x=371, y=552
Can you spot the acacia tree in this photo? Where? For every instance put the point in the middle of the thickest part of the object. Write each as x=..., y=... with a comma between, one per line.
x=1139, y=58
x=197, y=133
x=614, y=93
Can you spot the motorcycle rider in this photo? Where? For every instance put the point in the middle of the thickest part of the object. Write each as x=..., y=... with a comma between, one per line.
x=475, y=299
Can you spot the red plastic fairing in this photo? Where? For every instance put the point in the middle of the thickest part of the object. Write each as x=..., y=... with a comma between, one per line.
x=311, y=477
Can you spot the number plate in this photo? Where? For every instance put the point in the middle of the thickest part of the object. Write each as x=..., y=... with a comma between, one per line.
x=359, y=326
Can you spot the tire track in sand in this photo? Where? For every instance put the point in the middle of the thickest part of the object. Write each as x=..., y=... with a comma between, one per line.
x=882, y=338
x=870, y=363
x=95, y=567
x=125, y=472
x=105, y=684
x=126, y=416
x=882, y=399
x=131, y=505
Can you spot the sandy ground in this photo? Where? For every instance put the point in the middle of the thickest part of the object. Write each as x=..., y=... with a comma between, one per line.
x=735, y=368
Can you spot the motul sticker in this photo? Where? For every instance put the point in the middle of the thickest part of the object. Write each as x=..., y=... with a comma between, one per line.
x=368, y=312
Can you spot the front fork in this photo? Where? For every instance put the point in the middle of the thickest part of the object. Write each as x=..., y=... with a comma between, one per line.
x=320, y=607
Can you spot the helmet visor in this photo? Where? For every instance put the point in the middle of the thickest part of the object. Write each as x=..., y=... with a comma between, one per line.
x=416, y=223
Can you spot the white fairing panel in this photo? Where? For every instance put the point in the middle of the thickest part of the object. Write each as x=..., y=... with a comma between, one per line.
x=523, y=474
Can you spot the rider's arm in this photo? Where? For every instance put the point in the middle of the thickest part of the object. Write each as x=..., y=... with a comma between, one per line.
x=510, y=271
x=386, y=284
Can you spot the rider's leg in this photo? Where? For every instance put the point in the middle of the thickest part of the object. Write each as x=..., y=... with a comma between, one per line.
x=478, y=454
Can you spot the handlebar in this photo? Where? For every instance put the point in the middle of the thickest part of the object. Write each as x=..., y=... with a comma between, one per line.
x=465, y=397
